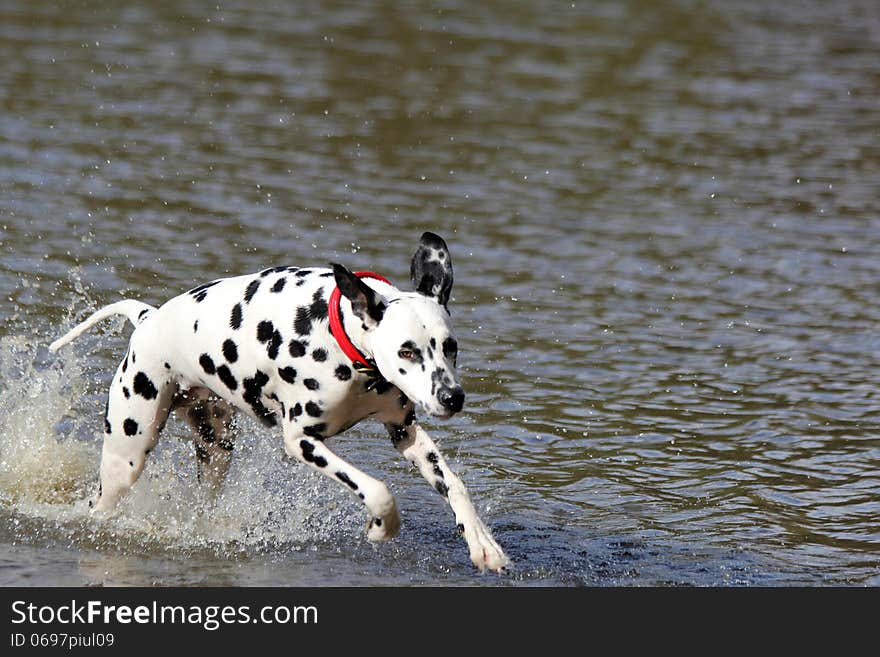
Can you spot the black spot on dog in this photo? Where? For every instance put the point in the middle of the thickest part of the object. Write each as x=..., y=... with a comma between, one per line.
x=207, y=364
x=225, y=375
x=202, y=453
x=230, y=351
x=125, y=363
x=142, y=313
x=377, y=522
x=253, y=390
x=319, y=355
x=441, y=488
x=144, y=387
x=196, y=326
x=311, y=384
x=272, y=270
x=308, y=452
x=256, y=382
x=251, y=290
x=279, y=284
x=274, y=345
x=401, y=370
x=288, y=374
x=326, y=274
x=313, y=409
x=438, y=378
x=297, y=410
x=259, y=380
x=434, y=460
x=126, y=393
x=318, y=309
x=343, y=372
x=130, y=427
x=297, y=348
x=133, y=358
x=345, y=479
x=302, y=324
x=201, y=297
x=167, y=366
x=450, y=348
x=315, y=430
x=303, y=272
x=265, y=329
x=201, y=288
x=235, y=317
x=433, y=343
x=107, y=427
x=305, y=315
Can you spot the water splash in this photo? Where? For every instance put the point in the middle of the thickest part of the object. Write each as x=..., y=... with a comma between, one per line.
x=49, y=458
x=35, y=466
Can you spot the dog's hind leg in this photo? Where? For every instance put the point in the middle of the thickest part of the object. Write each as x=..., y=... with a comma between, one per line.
x=415, y=445
x=211, y=419
x=137, y=407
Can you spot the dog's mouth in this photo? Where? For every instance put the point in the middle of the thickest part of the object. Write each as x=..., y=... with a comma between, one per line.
x=443, y=414
x=435, y=411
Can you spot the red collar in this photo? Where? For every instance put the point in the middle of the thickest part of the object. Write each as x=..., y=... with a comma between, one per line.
x=337, y=330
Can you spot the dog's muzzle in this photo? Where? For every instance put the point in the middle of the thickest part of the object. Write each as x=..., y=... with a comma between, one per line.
x=452, y=399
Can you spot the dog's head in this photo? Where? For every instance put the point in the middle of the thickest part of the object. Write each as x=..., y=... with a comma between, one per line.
x=410, y=335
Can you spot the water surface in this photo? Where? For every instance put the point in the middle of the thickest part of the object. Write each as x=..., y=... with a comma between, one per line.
x=664, y=222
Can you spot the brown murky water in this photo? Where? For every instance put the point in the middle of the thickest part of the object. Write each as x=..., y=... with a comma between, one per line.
x=665, y=225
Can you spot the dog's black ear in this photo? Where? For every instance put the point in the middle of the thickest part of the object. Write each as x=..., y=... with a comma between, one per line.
x=431, y=268
x=366, y=303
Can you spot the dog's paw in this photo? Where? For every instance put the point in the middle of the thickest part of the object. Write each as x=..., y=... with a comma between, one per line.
x=384, y=526
x=485, y=552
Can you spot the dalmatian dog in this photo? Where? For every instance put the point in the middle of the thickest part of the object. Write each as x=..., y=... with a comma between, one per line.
x=313, y=350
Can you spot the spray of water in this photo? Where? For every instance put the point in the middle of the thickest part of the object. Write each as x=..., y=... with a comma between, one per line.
x=50, y=418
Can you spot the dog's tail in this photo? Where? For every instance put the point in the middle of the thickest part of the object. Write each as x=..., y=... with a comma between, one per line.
x=135, y=311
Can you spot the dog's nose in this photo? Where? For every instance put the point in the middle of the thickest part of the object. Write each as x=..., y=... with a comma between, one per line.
x=452, y=398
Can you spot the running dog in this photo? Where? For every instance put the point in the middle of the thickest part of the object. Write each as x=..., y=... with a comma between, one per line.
x=313, y=350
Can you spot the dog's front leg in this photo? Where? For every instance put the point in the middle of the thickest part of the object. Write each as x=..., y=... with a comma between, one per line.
x=417, y=447
x=383, y=522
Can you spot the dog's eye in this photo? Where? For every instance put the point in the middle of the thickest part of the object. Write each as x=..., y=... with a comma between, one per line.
x=406, y=354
